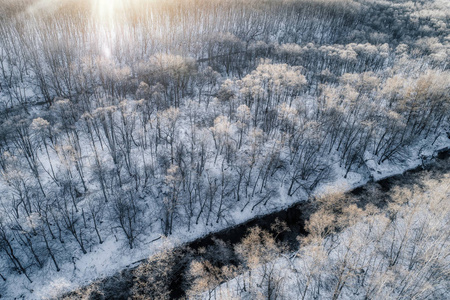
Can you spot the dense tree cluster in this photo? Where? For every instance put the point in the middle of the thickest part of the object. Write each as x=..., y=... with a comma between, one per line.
x=180, y=113
x=350, y=252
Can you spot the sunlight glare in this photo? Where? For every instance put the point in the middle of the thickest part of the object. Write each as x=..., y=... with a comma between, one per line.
x=106, y=52
x=105, y=14
x=105, y=10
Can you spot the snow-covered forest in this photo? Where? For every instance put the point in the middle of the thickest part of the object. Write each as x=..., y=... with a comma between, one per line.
x=358, y=253
x=127, y=122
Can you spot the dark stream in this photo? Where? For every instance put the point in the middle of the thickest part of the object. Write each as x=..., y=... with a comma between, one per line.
x=121, y=285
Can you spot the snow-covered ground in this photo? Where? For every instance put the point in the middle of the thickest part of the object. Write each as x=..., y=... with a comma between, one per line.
x=357, y=262
x=112, y=256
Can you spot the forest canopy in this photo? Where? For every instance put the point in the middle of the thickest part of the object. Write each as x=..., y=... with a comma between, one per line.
x=126, y=120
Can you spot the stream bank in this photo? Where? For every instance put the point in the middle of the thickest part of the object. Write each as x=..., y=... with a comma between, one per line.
x=218, y=247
